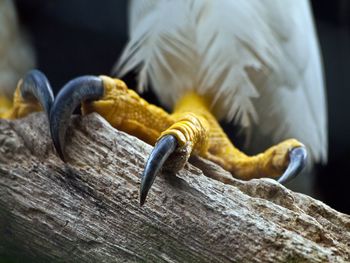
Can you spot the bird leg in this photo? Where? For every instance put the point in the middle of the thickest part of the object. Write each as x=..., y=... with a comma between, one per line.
x=124, y=109
x=191, y=129
x=121, y=107
x=197, y=130
x=33, y=93
x=5, y=106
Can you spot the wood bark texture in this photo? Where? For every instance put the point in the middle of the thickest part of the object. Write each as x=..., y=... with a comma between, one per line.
x=87, y=210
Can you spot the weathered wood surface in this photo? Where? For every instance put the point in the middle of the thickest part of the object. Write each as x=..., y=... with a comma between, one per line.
x=87, y=210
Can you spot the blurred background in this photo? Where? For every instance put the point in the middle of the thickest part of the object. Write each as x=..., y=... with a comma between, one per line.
x=73, y=38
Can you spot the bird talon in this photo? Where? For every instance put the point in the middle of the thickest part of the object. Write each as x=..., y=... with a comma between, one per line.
x=297, y=157
x=33, y=94
x=70, y=96
x=36, y=85
x=160, y=153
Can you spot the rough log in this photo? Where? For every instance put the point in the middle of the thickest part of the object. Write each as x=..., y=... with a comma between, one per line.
x=87, y=210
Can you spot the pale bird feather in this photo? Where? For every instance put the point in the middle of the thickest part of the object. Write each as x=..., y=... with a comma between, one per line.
x=16, y=54
x=258, y=60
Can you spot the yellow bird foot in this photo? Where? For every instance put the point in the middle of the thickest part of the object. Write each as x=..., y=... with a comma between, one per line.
x=191, y=129
x=33, y=93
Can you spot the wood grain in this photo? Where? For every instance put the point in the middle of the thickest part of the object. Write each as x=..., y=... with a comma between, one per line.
x=87, y=210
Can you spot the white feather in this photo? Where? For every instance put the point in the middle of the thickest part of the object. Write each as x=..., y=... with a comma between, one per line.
x=16, y=55
x=258, y=60
x=296, y=105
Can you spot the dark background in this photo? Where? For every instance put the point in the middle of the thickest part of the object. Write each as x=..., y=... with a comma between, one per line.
x=73, y=38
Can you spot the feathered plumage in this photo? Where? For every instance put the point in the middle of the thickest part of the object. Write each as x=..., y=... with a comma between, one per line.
x=258, y=60
x=16, y=55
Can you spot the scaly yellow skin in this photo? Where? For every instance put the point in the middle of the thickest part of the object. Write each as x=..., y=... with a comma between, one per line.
x=125, y=110
x=192, y=124
x=19, y=108
x=5, y=106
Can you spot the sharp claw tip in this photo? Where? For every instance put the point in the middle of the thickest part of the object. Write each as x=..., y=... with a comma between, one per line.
x=298, y=157
x=60, y=154
x=62, y=158
x=142, y=201
x=143, y=193
x=160, y=153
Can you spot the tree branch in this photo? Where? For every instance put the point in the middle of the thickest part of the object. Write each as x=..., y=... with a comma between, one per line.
x=87, y=209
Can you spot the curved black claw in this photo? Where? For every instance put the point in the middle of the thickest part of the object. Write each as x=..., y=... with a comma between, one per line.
x=160, y=153
x=35, y=85
x=70, y=96
x=297, y=161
